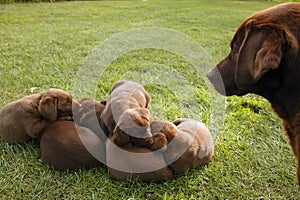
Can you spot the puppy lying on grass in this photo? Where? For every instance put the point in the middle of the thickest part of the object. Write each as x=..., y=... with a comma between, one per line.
x=123, y=95
x=185, y=143
x=136, y=163
x=175, y=148
x=67, y=146
x=24, y=119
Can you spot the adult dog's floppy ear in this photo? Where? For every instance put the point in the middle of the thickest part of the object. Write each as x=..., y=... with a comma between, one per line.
x=261, y=51
x=48, y=108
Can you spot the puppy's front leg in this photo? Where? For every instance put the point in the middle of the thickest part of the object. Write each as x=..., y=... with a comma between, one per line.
x=120, y=138
x=35, y=127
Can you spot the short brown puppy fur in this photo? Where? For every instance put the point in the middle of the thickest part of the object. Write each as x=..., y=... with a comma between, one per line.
x=24, y=119
x=192, y=147
x=163, y=133
x=140, y=163
x=65, y=146
x=123, y=95
x=264, y=60
x=87, y=114
x=133, y=128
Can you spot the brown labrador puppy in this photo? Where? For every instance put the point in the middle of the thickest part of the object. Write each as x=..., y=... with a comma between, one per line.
x=66, y=146
x=264, y=60
x=163, y=133
x=87, y=113
x=25, y=118
x=190, y=148
x=136, y=163
x=123, y=95
x=133, y=128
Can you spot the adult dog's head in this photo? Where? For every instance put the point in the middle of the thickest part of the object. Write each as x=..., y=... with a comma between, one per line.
x=264, y=59
x=265, y=45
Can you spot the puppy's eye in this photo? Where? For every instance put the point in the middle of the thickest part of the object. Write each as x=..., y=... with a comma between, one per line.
x=146, y=118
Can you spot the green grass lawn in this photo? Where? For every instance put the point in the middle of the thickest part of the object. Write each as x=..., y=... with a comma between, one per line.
x=45, y=45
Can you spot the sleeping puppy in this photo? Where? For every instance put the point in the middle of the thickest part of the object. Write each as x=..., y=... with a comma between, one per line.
x=191, y=147
x=24, y=119
x=87, y=114
x=137, y=163
x=123, y=95
x=264, y=60
x=66, y=146
x=133, y=128
x=163, y=133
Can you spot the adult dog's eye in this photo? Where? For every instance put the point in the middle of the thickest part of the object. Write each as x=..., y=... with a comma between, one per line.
x=234, y=54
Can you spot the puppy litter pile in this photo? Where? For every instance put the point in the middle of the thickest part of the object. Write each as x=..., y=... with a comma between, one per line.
x=118, y=133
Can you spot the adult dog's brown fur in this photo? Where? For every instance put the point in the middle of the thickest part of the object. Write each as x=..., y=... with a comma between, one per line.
x=265, y=60
x=140, y=163
x=123, y=95
x=25, y=118
x=65, y=146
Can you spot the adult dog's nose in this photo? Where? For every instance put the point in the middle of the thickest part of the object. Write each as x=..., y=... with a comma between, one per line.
x=216, y=79
x=211, y=75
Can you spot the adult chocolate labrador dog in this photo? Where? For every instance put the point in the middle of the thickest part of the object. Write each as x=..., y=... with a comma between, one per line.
x=265, y=60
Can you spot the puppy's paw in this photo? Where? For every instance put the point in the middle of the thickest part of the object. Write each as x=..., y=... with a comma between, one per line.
x=65, y=118
x=160, y=142
x=149, y=141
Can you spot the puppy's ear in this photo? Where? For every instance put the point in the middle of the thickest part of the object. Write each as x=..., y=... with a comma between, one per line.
x=148, y=100
x=260, y=52
x=117, y=84
x=48, y=108
x=179, y=121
